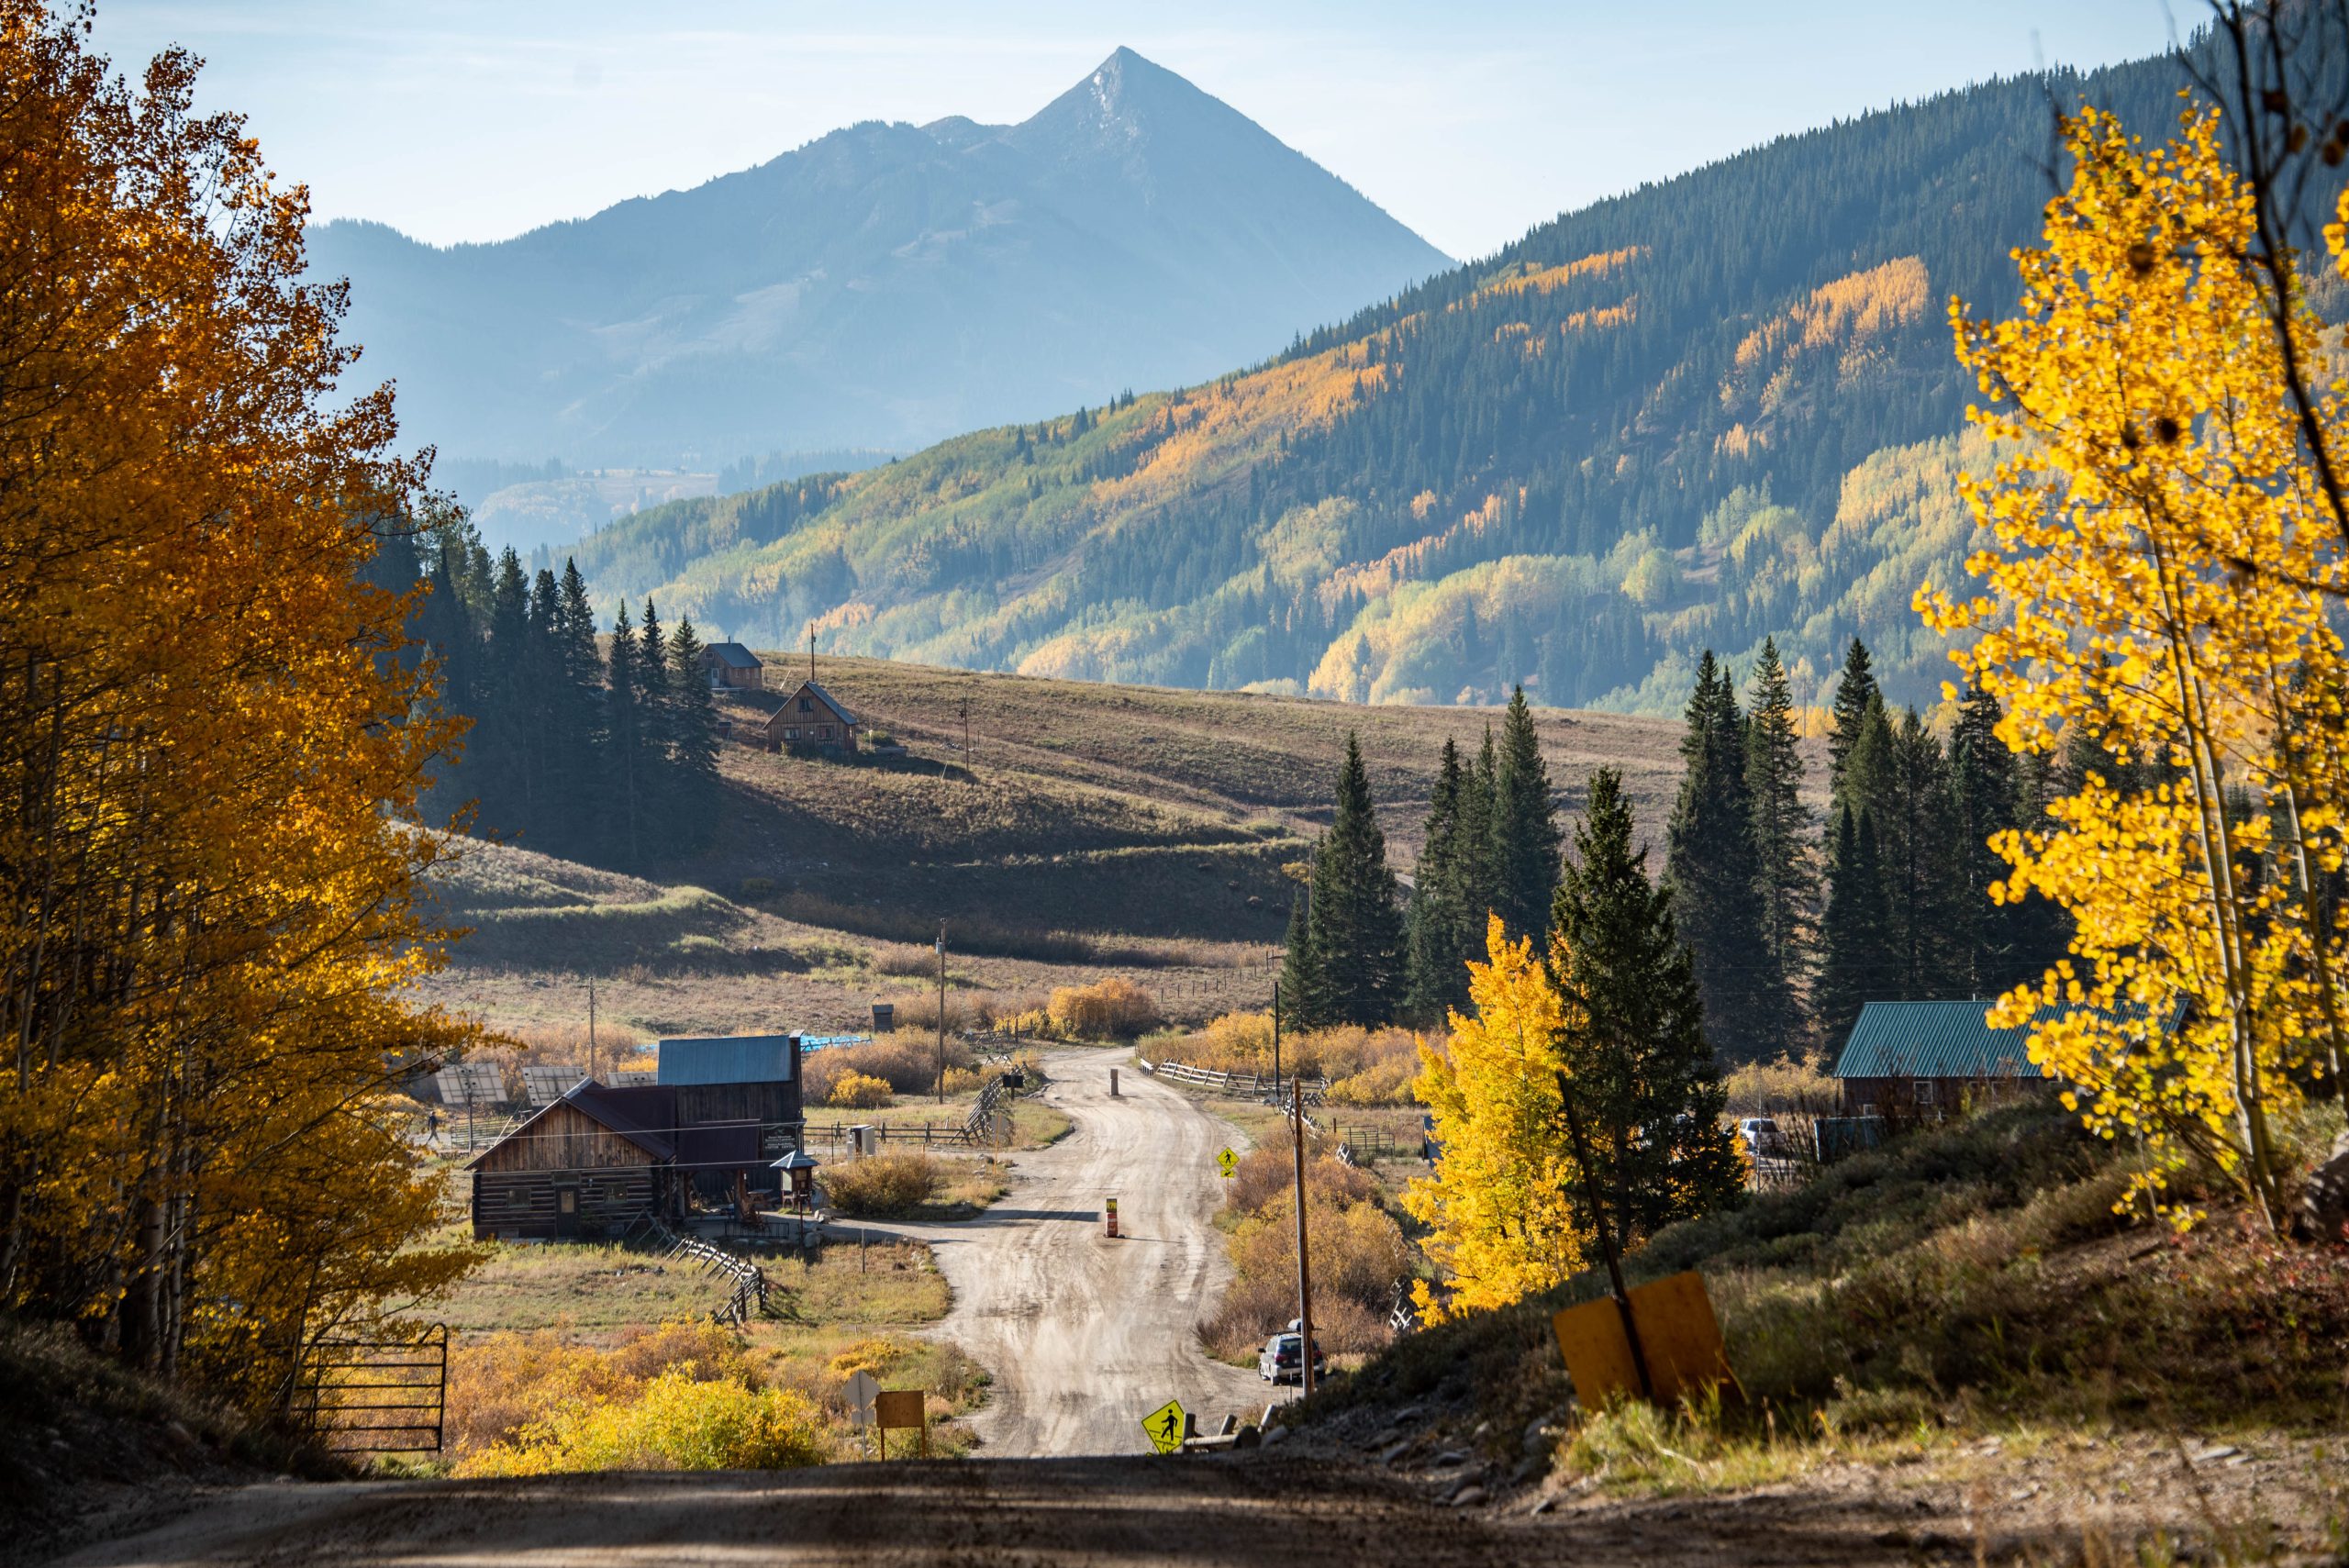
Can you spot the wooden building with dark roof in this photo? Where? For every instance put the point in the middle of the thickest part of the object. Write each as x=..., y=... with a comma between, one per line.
x=812, y=719
x=720, y=1114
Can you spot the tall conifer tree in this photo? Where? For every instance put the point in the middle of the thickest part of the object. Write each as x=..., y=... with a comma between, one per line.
x=1710, y=865
x=1525, y=826
x=1853, y=962
x=1646, y=1078
x=1784, y=880
x=1439, y=931
x=629, y=795
x=693, y=743
x=1356, y=922
x=1856, y=692
x=1305, y=993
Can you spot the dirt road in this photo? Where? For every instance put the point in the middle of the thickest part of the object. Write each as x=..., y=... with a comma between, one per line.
x=1085, y=1335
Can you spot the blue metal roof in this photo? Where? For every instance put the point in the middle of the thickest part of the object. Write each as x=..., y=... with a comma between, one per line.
x=725, y=1059
x=1934, y=1040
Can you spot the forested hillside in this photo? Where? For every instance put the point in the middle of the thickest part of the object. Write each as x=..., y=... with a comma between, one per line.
x=1709, y=410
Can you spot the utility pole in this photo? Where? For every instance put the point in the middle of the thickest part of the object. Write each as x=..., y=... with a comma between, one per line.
x=1303, y=1274
x=941, y=1015
x=812, y=650
x=591, y=1026
x=1277, y=1041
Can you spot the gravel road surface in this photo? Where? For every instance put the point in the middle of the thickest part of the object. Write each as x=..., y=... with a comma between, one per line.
x=1085, y=1336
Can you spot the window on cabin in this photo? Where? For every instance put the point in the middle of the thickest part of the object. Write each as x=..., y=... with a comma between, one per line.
x=1925, y=1091
x=791, y=734
x=806, y=704
x=824, y=733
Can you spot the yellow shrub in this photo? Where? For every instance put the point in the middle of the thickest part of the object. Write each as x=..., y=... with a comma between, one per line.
x=678, y=1422
x=510, y=1382
x=1109, y=1008
x=883, y=1185
x=963, y=1080
x=874, y=1356
x=861, y=1091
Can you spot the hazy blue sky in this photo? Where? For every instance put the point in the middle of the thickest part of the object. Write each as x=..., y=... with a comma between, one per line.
x=1470, y=122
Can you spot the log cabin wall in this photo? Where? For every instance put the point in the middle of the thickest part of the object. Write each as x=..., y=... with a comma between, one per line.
x=564, y=1138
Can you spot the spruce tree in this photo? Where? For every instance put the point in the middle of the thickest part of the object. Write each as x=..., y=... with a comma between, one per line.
x=501, y=764
x=1478, y=800
x=1852, y=960
x=578, y=764
x=693, y=744
x=2005, y=943
x=1355, y=926
x=1304, y=988
x=1856, y=692
x=1645, y=1076
x=1525, y=828
x=1783, y=879
x=1918, y=844
x=1711, y=868
x=1438, y=925
x=629, y=794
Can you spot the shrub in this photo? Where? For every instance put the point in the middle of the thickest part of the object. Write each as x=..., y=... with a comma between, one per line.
x=1113, y=1007
x=1366, y=1067
x=963, y=1080
x=1784, y=1084
x=512, y=1380
x=859, y=1091
x=883, y=1186
x=679, y=1421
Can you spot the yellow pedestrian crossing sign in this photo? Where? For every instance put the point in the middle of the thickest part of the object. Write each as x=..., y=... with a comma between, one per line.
x=1165, y=1426
x=1227, y=1162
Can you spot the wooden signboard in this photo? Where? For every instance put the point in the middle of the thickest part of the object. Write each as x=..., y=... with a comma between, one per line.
x=901, y=1409
x=1678, y=1332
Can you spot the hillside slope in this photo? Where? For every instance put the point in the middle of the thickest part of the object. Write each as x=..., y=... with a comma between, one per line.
x=1714, y=409
x=883, y=286
x=1091, y=829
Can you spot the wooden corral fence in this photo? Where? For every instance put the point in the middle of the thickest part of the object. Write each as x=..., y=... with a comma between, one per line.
x=1361, y=1145
x=1240, y=1086
x=989, y=1126
x=380, y=1395
x=749, y=1297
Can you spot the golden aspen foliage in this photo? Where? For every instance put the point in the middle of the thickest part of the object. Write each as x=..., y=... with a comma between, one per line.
x=1502, y=1226
x=2157, y=561
x=211, y=750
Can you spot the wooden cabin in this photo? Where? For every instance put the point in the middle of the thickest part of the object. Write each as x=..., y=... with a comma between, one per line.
x=729, y=666
x=718, y=1115
x=580, y=1167
x=811, y=719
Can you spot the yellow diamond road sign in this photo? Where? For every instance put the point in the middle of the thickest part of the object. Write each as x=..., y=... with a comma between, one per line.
x=1227, y=1162
x=1164, y=1426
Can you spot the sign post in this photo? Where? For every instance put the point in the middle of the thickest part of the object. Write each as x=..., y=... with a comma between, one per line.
x=1110, y=1218
x=862, y=1390
x=901, y=1409
x=1166, y=1426
x=1226, y=1164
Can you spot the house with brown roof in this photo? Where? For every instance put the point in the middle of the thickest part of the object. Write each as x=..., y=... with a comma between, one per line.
x=729, y=666
x=812, y=719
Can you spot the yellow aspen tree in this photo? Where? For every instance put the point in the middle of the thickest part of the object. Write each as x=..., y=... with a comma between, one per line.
x=1501, y=1221
x=212, y=752
x=2158, y=562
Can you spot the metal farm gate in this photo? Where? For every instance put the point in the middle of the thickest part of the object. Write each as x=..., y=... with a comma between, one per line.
x=375, y=1396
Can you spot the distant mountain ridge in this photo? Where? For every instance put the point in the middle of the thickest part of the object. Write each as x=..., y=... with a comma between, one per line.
x=1717, y=408
x=885, y=285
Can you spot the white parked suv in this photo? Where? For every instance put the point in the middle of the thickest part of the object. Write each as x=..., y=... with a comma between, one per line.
x=1280, y=1362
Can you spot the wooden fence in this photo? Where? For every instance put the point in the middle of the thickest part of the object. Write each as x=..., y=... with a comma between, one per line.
x=1240, y=1086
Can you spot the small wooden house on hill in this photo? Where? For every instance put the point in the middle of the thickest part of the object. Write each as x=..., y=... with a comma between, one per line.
x=718, y=1115
x=729, y=664
x=811, y=718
